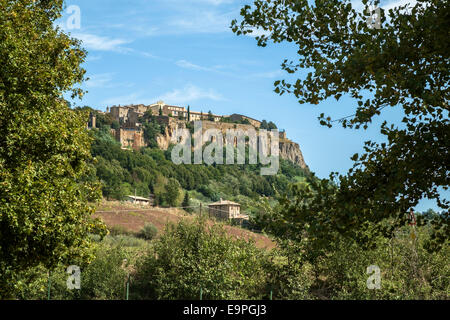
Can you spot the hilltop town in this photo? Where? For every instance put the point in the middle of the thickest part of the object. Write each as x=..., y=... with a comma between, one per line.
x=130, y=132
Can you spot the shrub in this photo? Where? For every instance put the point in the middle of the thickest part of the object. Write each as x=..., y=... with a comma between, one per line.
x=119, y=230
x=192, y=255
x=148, y=232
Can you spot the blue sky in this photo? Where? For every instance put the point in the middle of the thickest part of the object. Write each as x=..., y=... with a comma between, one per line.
x=183, y=52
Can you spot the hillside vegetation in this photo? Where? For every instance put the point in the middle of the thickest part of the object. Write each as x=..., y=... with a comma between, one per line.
x=151, y=171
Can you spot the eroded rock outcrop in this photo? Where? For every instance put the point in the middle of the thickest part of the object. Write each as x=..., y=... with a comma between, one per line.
x=291, y=151
x=288, y=150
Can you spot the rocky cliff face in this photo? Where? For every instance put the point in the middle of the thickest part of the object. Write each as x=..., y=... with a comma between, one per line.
x=288, y=150
x=291, y=151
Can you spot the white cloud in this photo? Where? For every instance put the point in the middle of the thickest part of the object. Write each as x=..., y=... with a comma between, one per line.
x=91, y=58
x=397, y=3
x=97, y=43
x=185, y=95
x=122, y=100
x=100, y=80
x=94, y=42
x=188, y=94
x=219, y=69
x=189, y=65
x=199, y=21
x=258, y=33
x=386, y=5
x=200, y=2
x=217, y=2
x=269, y=74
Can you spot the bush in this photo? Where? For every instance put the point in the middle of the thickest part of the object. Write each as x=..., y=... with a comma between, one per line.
x=192, y=255
x=119, y=230
x=125, y=241
x=148, y=232
x=103, y=279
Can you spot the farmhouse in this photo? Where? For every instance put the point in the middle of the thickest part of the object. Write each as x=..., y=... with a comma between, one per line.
x=139, y=200
x=225, y=209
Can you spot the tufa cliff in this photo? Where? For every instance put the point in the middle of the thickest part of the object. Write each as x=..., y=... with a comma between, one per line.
x=291, y=151
x=288, y=150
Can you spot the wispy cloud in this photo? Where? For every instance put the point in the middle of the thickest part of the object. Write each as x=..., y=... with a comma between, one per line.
x=190, y=93
x=398, y=3
x=93, y=42
x=105, y=80
x=216, y=2
x=130, y=98
x=386, y=5
x=98, y=43
x=258, y=33
x=91, y=58
x=200, y=21
x=268, y=74
x=220, y=70
x=189, y=65
x=101, y=80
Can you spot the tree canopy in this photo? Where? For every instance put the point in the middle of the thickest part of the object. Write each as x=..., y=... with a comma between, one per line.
x=404, y=64
x=45, y=148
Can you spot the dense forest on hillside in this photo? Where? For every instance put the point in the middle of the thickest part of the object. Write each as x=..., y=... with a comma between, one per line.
x=151, y=171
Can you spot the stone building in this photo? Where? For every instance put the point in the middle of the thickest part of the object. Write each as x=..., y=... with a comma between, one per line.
x=120, y=113
x=167, y=110
x=139, y=200
x=225, y=209
x=197, y=116
x=133, y=118
x=140, y=108
x=92, y=123
x=129, y=137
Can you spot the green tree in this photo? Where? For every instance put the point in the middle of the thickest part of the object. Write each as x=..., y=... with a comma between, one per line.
x=151, y=130
x=172, y=192
x=264, y=125
x=189, y=113
x=271, y=126
x=405, y=64
x=186, y=202
x=210, y=116
x=45, y=149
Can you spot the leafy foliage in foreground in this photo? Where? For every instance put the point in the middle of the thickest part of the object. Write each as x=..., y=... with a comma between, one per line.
x=44, y=149
x=404, y=64
x=194, y=255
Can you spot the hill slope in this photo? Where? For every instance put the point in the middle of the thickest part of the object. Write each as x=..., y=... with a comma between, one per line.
x=133, y=218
